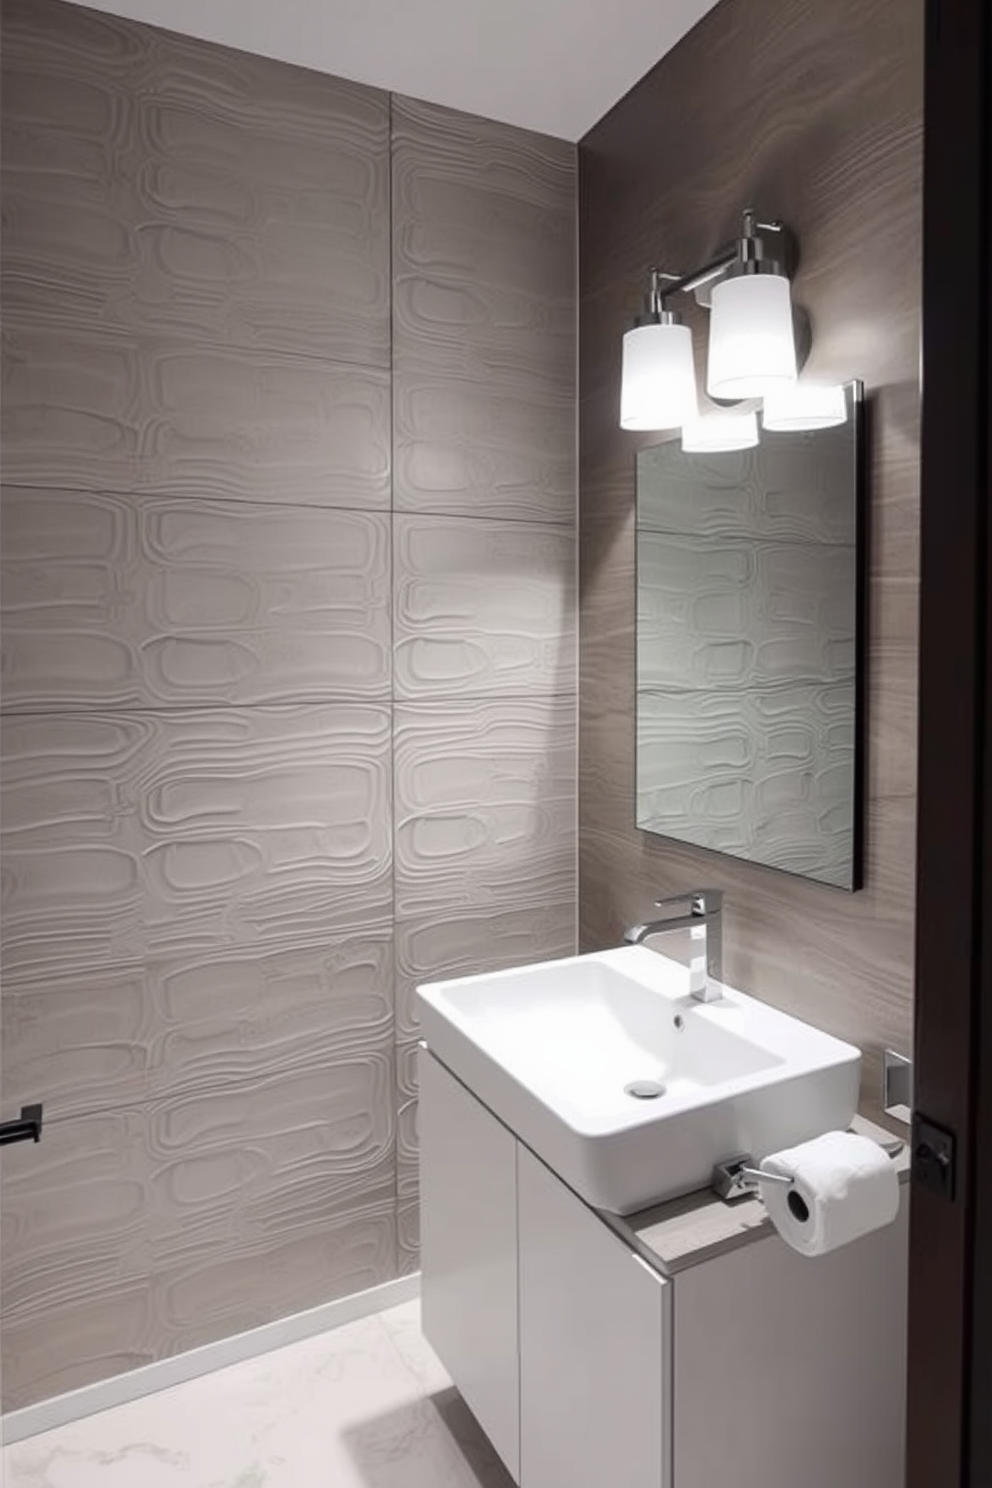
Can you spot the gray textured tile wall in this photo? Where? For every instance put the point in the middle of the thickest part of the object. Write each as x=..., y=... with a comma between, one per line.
x=271, y=753
x=483, y=561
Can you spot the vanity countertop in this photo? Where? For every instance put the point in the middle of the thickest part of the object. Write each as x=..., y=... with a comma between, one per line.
x=685, y=1232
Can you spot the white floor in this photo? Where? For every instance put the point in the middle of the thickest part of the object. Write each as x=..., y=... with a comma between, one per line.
x=366, y=1406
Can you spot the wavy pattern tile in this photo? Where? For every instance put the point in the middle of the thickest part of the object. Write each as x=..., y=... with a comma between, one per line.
x=98, y=1039
x=196, y=1217
x=203, y=976
x=407, y=1159
x=257, y=1163
x=132, y=835
x=119, y=413
x=483, y=327
x=483, y=608
x=123, y=602
x=452, y=941
x=722, y=613
x=99, y=1333
x=485, y=804
x=159, y=185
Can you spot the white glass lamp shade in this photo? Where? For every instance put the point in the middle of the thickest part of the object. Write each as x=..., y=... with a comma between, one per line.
x=717, y=432
x=752, y=345
x=804, y=405
x=659, y=377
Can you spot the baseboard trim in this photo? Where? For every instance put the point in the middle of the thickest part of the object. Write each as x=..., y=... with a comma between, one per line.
x=31, y=1420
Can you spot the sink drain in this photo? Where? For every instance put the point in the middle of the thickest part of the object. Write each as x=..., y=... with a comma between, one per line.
x=644, y=1089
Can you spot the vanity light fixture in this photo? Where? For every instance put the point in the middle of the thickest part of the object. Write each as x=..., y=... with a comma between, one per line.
x=752, y=350
x=720, y=432
x=752, y=343
x=804, y=405
x=659, y=376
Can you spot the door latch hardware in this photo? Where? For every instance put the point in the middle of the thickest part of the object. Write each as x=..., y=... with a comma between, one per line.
x=27, y=1129
x=934, y=1151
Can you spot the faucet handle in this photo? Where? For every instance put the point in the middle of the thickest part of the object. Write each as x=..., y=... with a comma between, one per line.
x=702, y=901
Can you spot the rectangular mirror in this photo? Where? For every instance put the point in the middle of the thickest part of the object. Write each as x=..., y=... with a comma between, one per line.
x=750, y=633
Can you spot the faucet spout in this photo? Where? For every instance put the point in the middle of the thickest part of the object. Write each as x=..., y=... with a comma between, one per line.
x=704, y=921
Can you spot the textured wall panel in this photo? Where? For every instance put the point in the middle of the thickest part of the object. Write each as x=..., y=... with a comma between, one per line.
x=102, y=1333
x=457, y=941
x=157, y=185
x=407, y=1157
x=116, y=601
x=130, y=836
x=209, y=1214
x=97, y=1039
x=270, y=1157
x=484, y=804
x=484, y=317
x=813, y=116
x=483, y=608
x=113, y=413
x=199, y=386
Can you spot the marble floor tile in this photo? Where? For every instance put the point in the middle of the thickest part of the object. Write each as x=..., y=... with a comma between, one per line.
x=366, y=1406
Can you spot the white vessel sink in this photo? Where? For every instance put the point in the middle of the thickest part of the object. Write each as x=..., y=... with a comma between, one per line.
x=551, y=1049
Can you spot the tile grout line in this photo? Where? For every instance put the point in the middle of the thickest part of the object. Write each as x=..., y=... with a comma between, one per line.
x=386, y=510
x=394, y=1093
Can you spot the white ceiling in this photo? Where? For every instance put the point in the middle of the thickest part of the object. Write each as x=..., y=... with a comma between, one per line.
x=552, y=65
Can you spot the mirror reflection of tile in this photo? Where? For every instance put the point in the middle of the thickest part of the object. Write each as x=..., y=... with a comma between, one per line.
x=748, y=648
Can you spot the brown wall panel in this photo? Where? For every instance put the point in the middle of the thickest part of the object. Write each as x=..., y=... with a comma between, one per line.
x=813, y=114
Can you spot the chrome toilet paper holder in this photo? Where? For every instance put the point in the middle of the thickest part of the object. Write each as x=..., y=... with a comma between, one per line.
x=737, y=1177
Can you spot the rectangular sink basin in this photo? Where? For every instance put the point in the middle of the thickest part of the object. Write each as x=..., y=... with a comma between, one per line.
x=625, y=1085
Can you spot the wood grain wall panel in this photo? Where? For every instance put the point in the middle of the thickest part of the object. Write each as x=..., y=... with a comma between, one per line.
x=484, y=317
x=812, y=114
x=154, y=185
x=115, y=413
x=483, y=608
x=131, y=602
x=207, y=323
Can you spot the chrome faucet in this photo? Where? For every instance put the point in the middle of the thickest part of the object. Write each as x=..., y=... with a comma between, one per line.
x=705, y=922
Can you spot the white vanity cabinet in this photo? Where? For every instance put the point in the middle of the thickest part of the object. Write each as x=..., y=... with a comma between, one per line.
x=595, y=1346
x=468, y=1241
x=747, y=1366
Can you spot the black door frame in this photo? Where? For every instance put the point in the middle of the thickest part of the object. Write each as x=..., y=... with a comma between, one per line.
x=949, y=1433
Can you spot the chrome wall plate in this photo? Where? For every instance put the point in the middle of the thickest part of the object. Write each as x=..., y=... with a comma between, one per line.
x=897, y=1086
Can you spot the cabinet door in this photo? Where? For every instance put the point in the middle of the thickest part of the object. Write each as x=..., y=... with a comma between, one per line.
x=791, y=1370
x=595, y=1336
x=468, y=1242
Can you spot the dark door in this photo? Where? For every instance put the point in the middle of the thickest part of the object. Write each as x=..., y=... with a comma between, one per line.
x=950, y=1315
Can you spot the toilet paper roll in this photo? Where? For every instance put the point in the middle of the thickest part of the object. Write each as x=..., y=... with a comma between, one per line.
x=843, y=1186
